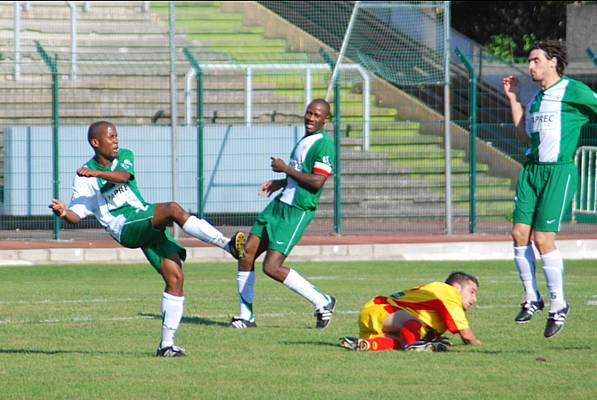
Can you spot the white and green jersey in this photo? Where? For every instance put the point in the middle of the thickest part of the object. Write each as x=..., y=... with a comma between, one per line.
x=313, y=154
x=109, y=202
x=554, y=117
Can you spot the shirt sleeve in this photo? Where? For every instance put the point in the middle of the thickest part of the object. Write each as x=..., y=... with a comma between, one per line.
x=325, y=159
x=126, y=162
x=83, y=201
x=457, y=316
x=585, y=100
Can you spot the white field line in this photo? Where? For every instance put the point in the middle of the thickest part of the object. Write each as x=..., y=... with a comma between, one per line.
x=78, y=301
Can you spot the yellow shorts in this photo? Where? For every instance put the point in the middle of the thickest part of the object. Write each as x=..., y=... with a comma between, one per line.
x=374, y=313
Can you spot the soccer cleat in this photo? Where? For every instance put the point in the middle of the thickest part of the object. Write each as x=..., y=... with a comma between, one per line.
x=440, y=344
x=171, y=351
x=528, y=309
x=237, y=245
x=555, y=321
x=240, y=323
x=324, y=314
x=419, y=345
x=354, y=344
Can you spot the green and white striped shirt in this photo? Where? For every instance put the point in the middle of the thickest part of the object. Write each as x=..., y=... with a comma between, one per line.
x=554, y=117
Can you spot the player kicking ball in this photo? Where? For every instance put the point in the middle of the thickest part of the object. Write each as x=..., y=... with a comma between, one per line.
x=106, y=188
x=416, y=319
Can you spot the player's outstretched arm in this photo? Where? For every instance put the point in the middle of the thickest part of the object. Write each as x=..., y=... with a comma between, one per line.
x=59, y=209
x=468, y=337
x=110, y=176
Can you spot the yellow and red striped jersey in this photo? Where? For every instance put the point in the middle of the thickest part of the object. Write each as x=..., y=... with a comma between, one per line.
x=436, y=304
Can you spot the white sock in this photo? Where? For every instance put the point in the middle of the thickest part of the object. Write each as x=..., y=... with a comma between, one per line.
x=295, y=282
x=171, y=315
x=524, y=258
x=553, y=269
x=203, y=230
x=245, y=281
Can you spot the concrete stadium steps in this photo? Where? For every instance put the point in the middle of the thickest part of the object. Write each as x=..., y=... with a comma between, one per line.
x=401, y=178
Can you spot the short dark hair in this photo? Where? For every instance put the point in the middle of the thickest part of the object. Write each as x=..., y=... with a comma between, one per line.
x=554, y=48
x=325, y=105
x=462, y=278
x=97, y=128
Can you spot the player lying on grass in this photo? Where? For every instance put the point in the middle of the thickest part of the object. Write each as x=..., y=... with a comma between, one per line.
x=416, y=319
x=106, y=188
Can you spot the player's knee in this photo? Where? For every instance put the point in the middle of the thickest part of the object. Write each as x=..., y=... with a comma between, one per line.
x=519, y=236
x=544, y=242
x=272, y=270
x=174, y=278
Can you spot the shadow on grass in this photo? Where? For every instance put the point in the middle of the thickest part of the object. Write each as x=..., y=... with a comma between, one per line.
x=189, y=320
x=311, y=342
x=525, y=351
x=59, y=352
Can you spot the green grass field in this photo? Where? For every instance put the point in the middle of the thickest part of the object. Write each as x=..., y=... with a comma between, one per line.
x=90, y=332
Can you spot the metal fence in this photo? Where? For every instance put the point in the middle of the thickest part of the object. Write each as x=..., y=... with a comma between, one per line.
x=392, y=176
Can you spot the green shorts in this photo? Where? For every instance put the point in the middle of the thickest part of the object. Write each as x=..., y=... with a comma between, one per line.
x=284, y=225
x=543, y=193
x=138, y=232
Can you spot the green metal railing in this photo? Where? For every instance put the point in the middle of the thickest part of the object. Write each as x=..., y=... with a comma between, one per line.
x=472, y=141
x=52, y=65
x=337, y=176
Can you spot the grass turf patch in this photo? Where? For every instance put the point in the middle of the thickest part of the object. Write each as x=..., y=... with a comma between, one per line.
x=91, y=331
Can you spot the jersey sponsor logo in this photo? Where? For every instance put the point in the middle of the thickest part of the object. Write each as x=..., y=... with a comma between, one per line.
x=544, y=121
x=127, y=164
x=118, y=196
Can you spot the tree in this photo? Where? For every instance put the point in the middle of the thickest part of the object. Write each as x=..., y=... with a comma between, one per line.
x=509, y=28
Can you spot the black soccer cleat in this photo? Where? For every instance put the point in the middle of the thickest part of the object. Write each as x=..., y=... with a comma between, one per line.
x=441, y=344
x=171, y=351
x=240, y=323
x=419, y=345
x=236, y=246
x=528, y=309
x=555, y=321
x=324, y=314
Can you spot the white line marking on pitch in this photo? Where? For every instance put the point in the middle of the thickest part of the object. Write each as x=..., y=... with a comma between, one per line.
x=80, y=301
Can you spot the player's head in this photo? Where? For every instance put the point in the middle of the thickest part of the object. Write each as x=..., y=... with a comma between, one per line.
x=546, y=58
x=103, y=137
x=467, y=285
x=316, y=114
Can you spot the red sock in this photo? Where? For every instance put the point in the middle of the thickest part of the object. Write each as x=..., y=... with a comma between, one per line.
x=383, y=343
x=411, y=331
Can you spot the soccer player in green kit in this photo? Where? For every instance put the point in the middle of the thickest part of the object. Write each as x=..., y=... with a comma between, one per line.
x=550, y=125
x=106, y=188
x=281, y=224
